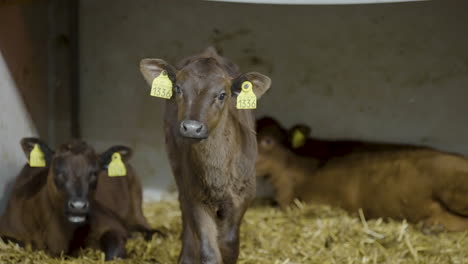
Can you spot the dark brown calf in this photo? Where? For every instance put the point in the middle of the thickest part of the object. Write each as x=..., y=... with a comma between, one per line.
x=322, y=149
x=122, y=194
x=53, y=208
x=414, y=184
x=212, y=149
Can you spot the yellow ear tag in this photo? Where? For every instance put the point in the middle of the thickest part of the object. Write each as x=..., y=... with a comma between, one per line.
x=116, y=166
x=298, y=139
x=36, y=157
x=162, y=86
x=246, y=99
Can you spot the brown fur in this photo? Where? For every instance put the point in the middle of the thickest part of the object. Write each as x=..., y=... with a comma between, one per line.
x=123, y=195
x=215, y=175
x=36, y=211
x=324, y=149
x=414, y=184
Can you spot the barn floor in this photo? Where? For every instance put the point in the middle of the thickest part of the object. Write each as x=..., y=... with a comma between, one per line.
x=302, y=234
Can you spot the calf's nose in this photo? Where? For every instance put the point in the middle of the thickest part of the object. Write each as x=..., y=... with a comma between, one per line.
x=193, y=129
x=78, y=204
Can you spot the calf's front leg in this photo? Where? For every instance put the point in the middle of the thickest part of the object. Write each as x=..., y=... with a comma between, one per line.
x=113, y=245
x=229, y=221
x=200, y=233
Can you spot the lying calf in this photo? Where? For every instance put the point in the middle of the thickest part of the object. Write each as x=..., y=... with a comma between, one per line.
x=298, y=139
x=122, y=195
x=58, y=206
x=414, y=184
x=324, y=149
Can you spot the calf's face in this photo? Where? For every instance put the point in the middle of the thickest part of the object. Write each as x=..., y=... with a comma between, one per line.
x=270, y=127
x=271, y=149
x=75, y=176
x=201, y=93
x=72, y=178
x=203, y=90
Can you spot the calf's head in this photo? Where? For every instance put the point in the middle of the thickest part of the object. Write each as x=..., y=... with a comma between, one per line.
x=72, y=176
x=205, y=87
x=268, y=126
x=272, y=149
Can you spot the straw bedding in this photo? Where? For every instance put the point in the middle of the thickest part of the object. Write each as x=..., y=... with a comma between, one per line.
x=301, y=234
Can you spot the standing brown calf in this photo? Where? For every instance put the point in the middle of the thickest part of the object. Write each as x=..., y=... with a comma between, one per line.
x=212, y=149
x=53, y=208
x=414, y=184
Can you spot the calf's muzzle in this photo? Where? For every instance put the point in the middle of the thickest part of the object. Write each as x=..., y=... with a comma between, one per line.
x=77, y=210
x=193, y=129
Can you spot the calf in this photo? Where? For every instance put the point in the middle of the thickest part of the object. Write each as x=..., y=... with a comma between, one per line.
x=414, y=184
x=54, y=208
x=298, y=139
x=324, y=150
x=212, y=150
x=122, y=194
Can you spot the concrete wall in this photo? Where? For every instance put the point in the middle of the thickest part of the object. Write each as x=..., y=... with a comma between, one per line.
x=24, y=45
x=392, y=72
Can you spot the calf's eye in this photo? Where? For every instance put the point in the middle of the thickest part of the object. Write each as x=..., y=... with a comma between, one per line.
x=93, y=180
x=222, y=96
x=177, y=89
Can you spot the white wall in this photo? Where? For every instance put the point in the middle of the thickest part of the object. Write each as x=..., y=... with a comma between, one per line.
x=23, y=84
x=392, y=72
x=15, y=123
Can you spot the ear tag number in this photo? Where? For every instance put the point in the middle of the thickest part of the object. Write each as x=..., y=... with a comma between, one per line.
x=36, y=157
x=162, y=86
x=246, y=99
x=116, y=166
x=298, y=139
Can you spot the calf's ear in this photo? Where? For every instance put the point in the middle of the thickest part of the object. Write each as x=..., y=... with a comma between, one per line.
x=297, y=135
x=106, y=157
x=28, y=144
x=303, y=128
x=151, y=68
x=261, y=83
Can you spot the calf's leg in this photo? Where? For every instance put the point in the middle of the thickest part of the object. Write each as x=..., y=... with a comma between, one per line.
x=441, y=216
x=189, y=253
x=199, y=224
x=113, y=245
x=454, y=195
x=229, y=225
